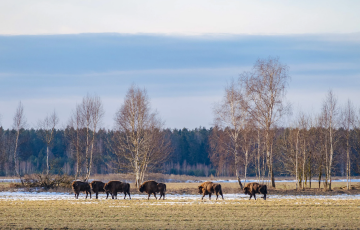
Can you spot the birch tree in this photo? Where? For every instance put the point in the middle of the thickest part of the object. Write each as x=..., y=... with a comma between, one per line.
x=266, y=90
x=92, y=112
x=231, y=116
x=138, y=138
x=330, y=116
x=46, y=130
x=19, y=123
x=348, y=123
x=74, y=133
x=83, y=127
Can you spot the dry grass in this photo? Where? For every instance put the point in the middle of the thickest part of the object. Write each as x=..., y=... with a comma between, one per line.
x=124, y=214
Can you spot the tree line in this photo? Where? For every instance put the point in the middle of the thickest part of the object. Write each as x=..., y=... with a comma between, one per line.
x=250, y=137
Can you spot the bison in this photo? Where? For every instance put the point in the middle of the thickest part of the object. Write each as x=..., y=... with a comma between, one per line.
x=253, y=188
x=98, y=186
x=152, y=187
x=208, y=188
x=79, y=186
x=113, y=187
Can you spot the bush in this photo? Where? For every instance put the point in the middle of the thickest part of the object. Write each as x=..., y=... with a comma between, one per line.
x=48, y=181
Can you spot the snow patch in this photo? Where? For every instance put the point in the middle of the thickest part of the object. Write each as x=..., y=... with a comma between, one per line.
x=172, y=198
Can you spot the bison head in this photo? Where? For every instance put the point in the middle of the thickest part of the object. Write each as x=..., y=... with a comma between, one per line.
x=200, y=189
x=142, y=188
x=106, y=187
x=247, y=190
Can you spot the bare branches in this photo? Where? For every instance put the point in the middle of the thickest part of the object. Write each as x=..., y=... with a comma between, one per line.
x=84, y=124
x=19, y=123
x=47, y=128
x=265, y=88
x=330, y=121
x=231, y=117
x=138, y=138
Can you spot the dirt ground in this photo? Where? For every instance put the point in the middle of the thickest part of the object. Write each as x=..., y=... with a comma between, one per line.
x=173, y=214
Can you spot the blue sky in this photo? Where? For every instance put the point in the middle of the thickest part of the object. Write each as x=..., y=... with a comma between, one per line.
x=52, y=53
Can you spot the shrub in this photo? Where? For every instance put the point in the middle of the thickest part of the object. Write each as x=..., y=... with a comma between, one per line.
x=48, y=181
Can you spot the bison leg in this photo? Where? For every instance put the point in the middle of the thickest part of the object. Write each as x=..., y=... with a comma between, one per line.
x=90, y=193
x=86, y=194
x=264, y=196
x=254, y=196
x=163, y=196
x=221, y=194
x=250, y=196
x=203, y=195
x=155, y=195
x=209, y=196
x=97, y=195
x=149, y=196
x=129, y=195
x=107, y=195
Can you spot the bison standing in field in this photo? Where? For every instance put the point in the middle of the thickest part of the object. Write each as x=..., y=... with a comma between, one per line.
x=98, y=186
x=253, y=188
x=152, y=187
x=79, y=186
x=208, y=188
x=113, y=187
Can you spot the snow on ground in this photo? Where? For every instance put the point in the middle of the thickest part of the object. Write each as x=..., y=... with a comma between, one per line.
x=200, y=181
x=174, y=198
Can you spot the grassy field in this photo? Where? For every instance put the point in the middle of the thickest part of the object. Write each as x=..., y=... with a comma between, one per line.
x=178, y=214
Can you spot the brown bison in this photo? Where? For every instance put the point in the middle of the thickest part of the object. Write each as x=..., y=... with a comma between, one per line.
x=208, y=188
x=79, y=186
x=115, y=186
x=253, y=188
x=152, y=187
x=98, y=186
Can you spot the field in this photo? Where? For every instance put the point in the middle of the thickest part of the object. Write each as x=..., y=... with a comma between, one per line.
x=285, y=208
x=177, y=214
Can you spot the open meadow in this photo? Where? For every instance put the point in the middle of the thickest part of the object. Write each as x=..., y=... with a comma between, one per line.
x=181, y=213
x=183, y=208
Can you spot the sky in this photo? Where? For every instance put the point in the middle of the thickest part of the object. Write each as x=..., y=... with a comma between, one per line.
x=184, y=53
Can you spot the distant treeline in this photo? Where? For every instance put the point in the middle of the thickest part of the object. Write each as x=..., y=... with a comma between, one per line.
x=193, y=152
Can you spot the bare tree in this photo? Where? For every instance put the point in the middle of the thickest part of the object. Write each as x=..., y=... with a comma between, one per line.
x=265, y=88
x=83, y=126
x=231, y=116
x=348, y=123
x=303, y=124
x=47, y=128
x=246, y=145
x=138, y=139
x=92, y=113
x=19, y=123
x=74, y=134
x=330, y=117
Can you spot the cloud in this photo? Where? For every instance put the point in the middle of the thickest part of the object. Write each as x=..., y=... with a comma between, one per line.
x=184, y=75
x=178, y=17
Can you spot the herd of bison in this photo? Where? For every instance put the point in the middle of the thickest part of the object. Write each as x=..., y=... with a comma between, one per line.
x=152, y=187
